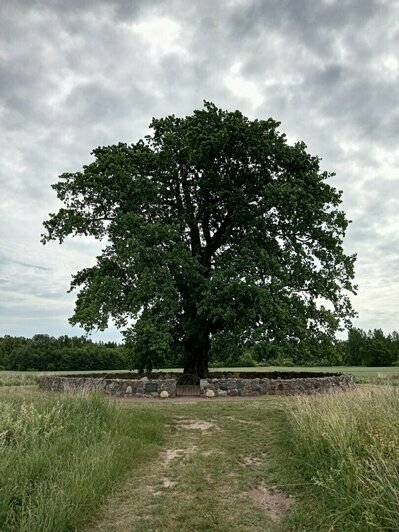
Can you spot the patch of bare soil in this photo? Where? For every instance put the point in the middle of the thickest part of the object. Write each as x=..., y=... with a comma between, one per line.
x=171, y=454
x=274, y=503
x=242, y=421
x=167, y=483
x=196, y=424
x=252, y=461
x=212, y=452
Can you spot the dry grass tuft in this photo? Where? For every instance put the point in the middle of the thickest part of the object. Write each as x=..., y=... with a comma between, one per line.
x=346, y=447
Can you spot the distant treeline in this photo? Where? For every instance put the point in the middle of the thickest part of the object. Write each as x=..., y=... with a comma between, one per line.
x=371, y=348
x=47, y=353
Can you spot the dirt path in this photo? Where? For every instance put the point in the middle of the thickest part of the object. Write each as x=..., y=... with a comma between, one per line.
x=215, y=473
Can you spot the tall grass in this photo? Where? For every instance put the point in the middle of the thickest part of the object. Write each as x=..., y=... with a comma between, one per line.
x=60, y=455
x=10, y=378
x=345, y=448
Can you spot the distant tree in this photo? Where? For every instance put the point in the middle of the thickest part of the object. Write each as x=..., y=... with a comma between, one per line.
x=356, y=347
x=378, y=349
x=8, y=346
x=43, y=342
x=394, y=339
x=218, y=235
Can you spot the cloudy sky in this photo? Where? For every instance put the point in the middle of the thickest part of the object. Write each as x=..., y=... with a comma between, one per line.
x=76, y=74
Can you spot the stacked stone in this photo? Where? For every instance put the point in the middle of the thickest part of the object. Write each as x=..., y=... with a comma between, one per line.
x=213, y=387
x=120, y=387
x=57, y=383
x=140, y=388
x=264, y=386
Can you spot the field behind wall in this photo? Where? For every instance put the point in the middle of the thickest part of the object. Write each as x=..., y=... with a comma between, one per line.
x=362, y=374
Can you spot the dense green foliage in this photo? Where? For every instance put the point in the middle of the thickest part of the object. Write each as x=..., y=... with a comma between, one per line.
x=218, y=235
x=59, y=456
x=372, y=348
x=46, y=353
x=344, y=451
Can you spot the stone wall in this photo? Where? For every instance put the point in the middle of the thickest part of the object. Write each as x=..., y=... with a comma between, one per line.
x=78, y=384
x=120, y=387
x=212, y=387
x=266, y=386
x=140, y=387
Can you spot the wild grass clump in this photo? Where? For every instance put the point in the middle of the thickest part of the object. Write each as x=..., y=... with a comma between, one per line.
x=60, y=455
x=346, y=449
x=17, y=379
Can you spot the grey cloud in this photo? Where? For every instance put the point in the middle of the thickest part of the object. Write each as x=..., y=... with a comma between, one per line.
x=313, y=24
x=5, y=260
x=90, y=104
x=34, y=266
x=75, y=74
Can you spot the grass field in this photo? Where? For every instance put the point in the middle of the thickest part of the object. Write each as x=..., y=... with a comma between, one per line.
x=361, y=374
x=305, y=463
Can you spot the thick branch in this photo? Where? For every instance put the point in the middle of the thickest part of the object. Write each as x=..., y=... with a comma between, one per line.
x=194, y=231
x=205, y=227
x=215, y=241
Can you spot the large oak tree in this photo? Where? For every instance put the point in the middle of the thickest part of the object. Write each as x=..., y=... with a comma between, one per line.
x=218, y=235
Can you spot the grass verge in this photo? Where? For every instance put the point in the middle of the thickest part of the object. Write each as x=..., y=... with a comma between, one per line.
x=59, y=456
x=344, y=451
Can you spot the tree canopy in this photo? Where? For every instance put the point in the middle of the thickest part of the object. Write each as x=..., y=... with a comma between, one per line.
x=218, y=235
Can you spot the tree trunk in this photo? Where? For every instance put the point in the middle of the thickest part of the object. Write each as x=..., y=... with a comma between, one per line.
x=197, y=350
x=197, y=366
x=197, y=343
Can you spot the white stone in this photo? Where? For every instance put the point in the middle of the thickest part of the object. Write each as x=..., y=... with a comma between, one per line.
x=164, y=394
x=129, y=389
x=210, y=393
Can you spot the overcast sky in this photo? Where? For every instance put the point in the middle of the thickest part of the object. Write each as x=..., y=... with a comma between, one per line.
x=76, y=74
